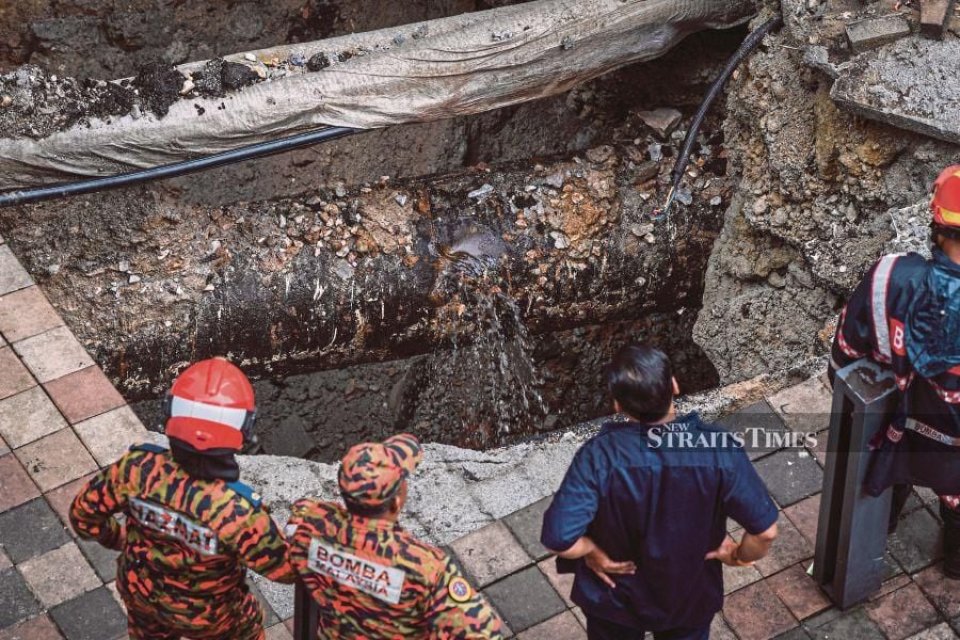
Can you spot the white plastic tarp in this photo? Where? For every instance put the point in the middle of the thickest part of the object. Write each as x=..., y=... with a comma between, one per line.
x=439, y=69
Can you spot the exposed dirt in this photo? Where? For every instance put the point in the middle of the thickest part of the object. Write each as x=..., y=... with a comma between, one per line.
x=818, y=188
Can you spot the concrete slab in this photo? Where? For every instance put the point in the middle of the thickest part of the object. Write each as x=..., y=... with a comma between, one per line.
x=874, y=32
x=911, y=84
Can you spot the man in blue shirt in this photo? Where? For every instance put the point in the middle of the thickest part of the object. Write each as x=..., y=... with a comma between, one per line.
x=642, y=511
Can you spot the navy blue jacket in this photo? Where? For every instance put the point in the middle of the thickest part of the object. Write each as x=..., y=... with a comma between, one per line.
x=872, y=326
x=643, y=497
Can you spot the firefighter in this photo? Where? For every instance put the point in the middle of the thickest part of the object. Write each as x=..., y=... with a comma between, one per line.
x=371, y=578
x=905, y=315
x=191, y=528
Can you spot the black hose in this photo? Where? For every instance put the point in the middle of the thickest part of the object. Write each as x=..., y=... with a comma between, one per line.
x=746, y=48
x=258, y=150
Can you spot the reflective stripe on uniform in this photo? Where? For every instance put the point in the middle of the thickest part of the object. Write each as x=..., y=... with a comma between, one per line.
x=878, y=299
x=929, y=432
x=845, y=347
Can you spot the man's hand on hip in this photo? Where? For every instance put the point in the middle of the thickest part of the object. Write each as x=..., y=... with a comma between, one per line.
x=602, y=565
x=727, y=553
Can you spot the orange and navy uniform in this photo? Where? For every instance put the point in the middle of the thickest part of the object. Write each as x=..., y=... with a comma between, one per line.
x=372, y=579
x=922, y=447
x=185, y=546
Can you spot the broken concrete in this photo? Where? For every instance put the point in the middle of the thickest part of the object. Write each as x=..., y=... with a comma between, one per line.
x=822, y=189
x=873, y=32
x=935, y=16
x=912, y=84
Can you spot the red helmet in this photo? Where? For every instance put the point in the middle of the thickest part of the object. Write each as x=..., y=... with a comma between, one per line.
x=946, y=198
x=211, y=406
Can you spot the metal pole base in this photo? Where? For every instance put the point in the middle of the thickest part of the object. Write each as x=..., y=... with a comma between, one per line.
x=852, y=531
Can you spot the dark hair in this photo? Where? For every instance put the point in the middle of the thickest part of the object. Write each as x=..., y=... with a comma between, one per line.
x=640, y=378
x=366, y=511
x=952, y=233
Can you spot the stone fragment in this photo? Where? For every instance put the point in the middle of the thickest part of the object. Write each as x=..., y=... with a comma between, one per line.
x=662, y=121
x=874, y=32
x=934, y=16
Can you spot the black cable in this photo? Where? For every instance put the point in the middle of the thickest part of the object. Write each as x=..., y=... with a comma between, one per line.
x=746, y=48
x=249, y=152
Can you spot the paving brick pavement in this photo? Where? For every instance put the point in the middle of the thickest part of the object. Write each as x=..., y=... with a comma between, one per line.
x=61, y=419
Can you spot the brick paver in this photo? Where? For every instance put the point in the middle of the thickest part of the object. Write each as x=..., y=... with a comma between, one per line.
x=26, y=313
x=561, y=627
x=31, y=530
x=14, y=377
x=84, y=394
x=59, y=575
x=525, y=599
x=56, y=459
x=28, y=416
x=943, y=593
x=489, y=554
x=756, y=613
x=798, y=592
x=791, y=547
x=53, y=354
x=108, y=435
x=804, y=516
x=16, y=487
x=903, y=613
x=12, y=276
x=39, y=628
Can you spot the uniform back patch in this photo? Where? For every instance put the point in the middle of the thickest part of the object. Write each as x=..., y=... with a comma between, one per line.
x=460, y=590
x=153, y=516
x=380, y=581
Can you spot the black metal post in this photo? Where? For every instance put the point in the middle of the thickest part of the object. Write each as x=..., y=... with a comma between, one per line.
x=852, y=529
x=305, y=619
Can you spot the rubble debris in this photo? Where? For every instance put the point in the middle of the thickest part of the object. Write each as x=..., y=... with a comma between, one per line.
x=662, y=121
x=236, y=76
x=911, y=84
x=322, y=60
x=159, y=85
x=871, y=33
x=934, y=16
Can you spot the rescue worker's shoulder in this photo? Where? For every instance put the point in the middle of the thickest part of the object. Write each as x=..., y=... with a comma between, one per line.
x=307, y=508
x=429, y=561
x=246, y=492
x=911, y=264
x=143, y=451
